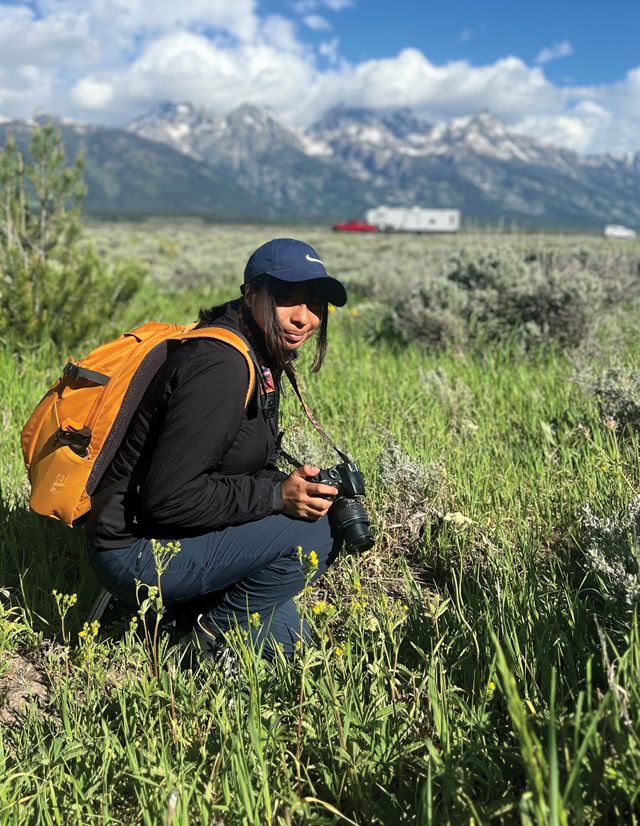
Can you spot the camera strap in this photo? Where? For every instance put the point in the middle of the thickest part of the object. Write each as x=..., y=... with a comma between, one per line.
x=307, y=410
x=296, y=463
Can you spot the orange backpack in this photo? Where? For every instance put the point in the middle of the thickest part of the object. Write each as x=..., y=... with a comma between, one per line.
x=75, y=431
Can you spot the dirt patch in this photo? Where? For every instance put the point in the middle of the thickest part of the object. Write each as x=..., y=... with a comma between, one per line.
x=22, y=683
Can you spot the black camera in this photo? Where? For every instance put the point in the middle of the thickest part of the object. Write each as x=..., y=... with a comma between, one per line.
x=347, y=514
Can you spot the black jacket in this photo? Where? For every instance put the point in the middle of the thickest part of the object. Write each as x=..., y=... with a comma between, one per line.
x=193, y=458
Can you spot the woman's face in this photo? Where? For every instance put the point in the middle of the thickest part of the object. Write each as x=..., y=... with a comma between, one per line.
x=298, y=310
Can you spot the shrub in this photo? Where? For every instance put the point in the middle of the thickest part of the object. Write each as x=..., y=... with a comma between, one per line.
x=453, y=397
x=51, y=285
x=413, y=495
x=617, y=391
x=431, y=316
x=498, y=294
x=613, y=554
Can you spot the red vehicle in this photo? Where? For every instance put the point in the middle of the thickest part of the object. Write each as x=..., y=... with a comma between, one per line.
x=354, y=226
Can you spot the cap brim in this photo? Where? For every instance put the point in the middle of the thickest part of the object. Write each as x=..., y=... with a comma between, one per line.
x=328, y=287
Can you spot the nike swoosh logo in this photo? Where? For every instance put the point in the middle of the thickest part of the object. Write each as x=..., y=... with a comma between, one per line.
x=317, y=260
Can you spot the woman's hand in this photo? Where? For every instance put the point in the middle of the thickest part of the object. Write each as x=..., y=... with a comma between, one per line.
x=304, y=499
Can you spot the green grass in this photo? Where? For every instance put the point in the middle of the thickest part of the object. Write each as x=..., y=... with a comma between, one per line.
x=470, y=673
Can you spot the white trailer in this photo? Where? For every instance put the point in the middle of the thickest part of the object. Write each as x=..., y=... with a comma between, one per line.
x=413, y=219
x=618, y=231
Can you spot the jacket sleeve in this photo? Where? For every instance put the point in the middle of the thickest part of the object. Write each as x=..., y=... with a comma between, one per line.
x=204, y=412
x=277, y=477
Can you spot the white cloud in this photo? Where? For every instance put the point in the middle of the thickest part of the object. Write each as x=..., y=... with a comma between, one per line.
x=316, y=22
x=308, y=6
x=109, y=60
x=186, y=66
x=576, y=128
x=25, y=39
x=24, y=89
x=337, y=5
x=585, y=119
x=128, y=17
x=329, y=49
x=556, y=50
x=508, y=88
x=93, y=94
x=280, y=33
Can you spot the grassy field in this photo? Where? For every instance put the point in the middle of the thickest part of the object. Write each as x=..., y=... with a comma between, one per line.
x=481, y=664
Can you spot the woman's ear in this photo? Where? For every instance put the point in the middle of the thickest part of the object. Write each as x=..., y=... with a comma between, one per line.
x=248, y=296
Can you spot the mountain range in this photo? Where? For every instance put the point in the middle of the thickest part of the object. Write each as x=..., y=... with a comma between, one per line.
x=248, y=165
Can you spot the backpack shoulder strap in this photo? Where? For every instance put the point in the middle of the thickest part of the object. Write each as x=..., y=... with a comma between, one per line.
x=233, y=339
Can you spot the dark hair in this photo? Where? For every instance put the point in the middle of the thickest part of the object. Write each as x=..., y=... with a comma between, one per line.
x=273, y=335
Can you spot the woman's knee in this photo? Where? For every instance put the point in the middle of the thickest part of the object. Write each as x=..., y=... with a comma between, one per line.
x=316, y=541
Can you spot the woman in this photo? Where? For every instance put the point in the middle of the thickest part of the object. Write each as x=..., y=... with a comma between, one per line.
x=197, y=466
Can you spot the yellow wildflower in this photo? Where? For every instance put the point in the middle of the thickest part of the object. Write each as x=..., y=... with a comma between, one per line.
x=313, y=559
x=339, y=651
x=65, y=601
x=89, y=631
x=320, y=607
x=355, y=313
x=491, y=687
x=254, y=620
x=331, y=308
x=358, y=605
x=372, y=624
x=459, y=520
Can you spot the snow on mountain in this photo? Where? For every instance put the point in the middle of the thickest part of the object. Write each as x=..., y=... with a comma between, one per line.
x=399, y=123
x=357, y=155
x=182, y=126
x=620, y=161
x=248, y=161
x=482, y=134
x=364, y=140
x=207, y=135
x=290, y=169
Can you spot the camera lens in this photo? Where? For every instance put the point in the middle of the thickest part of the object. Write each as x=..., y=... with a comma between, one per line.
x=351, y=520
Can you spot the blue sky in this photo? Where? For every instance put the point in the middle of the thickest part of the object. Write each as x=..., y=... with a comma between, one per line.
x=566, y=73
x=605, y=37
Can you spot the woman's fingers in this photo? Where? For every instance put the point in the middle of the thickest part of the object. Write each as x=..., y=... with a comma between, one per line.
x=318, y=506
x=316, y=490
x=305, y=471
x=308, y=500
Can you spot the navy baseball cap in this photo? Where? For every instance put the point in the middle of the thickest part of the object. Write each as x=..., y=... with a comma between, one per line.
x=289, y=260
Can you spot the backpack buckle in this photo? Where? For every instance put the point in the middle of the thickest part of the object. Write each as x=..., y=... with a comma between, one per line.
x=76, y=372
x=77, y=440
